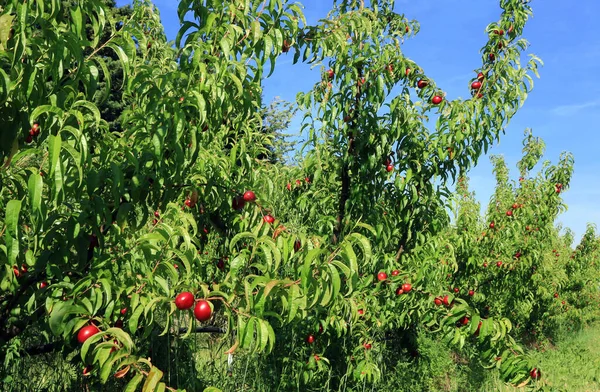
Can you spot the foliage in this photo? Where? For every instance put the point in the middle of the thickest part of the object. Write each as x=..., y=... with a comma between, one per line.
x=276, y=120
x=106, y=228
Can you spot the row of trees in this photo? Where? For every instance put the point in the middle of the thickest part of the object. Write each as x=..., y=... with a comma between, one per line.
x=127, y=165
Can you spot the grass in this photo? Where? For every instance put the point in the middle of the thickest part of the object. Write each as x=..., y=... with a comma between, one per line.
x=573, y=365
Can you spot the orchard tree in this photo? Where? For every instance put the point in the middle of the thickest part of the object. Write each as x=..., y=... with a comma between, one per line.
x=517, y=245
x=277, y=117
x=344, y=243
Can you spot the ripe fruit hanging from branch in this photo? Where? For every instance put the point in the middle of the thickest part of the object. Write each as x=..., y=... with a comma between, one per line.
x=476, y=85
x=86, y=332
x=269, y=219
x=249, y=196
x=184, y=300
x=202, y=310
x=381, y=276
x=446, y=300
x=436, y=100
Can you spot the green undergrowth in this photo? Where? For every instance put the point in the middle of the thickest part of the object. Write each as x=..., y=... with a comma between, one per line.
x=569, y=364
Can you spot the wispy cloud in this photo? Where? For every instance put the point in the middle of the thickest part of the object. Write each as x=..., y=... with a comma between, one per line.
x=569, y=110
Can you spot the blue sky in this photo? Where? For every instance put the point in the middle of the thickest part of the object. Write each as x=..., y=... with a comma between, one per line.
x=563, y=109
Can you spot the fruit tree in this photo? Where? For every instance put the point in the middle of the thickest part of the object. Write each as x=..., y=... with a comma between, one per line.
x=177, y=218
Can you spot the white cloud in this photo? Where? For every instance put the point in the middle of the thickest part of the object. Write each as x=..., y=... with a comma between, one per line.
x=569, y=110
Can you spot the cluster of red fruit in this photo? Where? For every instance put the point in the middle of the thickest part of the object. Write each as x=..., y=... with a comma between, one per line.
x=436, y=100
x=298, y=183
x=404, y=289
x=22, y=271
x=421, y=84
x=477, y=84
x=202, y=310
x=249, y=197
x=442, y=300
x=499, y=33
x=34, y=131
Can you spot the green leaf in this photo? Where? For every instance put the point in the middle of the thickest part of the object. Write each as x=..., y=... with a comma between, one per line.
x=293, y=303
x=77, y=20
x=34, y=185
x=248, y=335
x=54, y=143
x=135, y=318
x=13, y=210
x=226, y=46
x=163, y=284
x=133, y=383
x=152, y=380
x=256, y=30
x=6, y=21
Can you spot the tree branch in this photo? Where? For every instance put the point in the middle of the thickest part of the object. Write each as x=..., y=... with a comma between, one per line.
x=208, y=329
